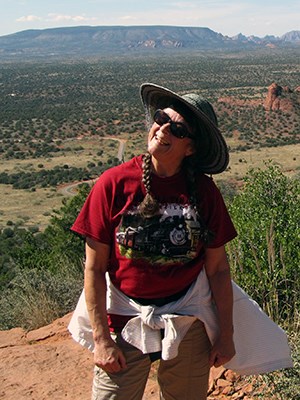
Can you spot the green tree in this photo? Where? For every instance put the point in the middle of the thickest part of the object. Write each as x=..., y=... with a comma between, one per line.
x=64, y=244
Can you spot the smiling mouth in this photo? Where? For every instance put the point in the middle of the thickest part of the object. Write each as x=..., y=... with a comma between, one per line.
x=161, y=141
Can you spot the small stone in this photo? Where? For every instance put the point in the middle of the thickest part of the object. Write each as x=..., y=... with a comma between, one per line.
x=227, y=390
x=247, y=388
x=237, y=395
x=216, y=373
x=231, y=376
x=223, y=383
x=216, y=392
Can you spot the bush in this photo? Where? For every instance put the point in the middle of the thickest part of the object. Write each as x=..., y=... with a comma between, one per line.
x=36, y=297
x=265, y=257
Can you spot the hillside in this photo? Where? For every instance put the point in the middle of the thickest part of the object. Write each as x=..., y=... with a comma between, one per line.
x=100, y=40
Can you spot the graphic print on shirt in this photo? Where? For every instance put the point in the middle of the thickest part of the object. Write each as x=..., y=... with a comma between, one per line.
x=171, y=236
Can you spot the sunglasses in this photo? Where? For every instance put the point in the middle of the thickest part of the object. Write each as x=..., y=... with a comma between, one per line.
x=178, y=129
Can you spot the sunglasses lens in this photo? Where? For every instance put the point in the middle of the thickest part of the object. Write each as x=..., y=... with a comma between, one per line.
x=177, y=128
x=161, y=118
x=178, y=131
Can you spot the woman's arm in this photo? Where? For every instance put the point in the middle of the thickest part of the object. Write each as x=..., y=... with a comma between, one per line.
x=106, y=354
x=218, y=273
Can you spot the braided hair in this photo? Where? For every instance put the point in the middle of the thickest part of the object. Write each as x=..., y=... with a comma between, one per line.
x=149, y=206
x=206, y=236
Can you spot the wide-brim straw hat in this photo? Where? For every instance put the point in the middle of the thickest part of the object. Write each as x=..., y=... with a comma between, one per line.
x=212, y=154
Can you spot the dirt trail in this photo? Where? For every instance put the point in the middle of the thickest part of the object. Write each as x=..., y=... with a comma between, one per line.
x=70, y=189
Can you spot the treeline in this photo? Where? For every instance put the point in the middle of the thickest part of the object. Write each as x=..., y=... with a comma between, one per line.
x=56, y=176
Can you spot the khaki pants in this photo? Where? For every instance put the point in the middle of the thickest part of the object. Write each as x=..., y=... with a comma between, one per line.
x=182, y=378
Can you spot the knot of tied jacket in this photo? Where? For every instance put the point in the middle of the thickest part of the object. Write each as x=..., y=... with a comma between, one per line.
x=150, y=319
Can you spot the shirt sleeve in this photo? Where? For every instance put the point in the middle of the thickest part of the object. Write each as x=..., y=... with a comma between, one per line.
x=95, y=216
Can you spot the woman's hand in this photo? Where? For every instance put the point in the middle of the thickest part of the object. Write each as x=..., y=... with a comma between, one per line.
x=108, y=356
x=222, y=351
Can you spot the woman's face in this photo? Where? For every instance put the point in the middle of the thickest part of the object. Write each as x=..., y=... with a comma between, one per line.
x=167, y=150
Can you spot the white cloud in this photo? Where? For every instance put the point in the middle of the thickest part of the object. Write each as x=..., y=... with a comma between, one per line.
x=52, y=17
x=29, y=18
x=66, y=18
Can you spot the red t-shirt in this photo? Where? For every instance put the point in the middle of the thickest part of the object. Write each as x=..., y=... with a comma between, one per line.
x=160, y=256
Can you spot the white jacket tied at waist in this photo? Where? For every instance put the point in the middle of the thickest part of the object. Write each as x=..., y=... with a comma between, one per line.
x=261, y=345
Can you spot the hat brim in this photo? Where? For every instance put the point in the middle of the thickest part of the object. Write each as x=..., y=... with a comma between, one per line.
x=213, y=155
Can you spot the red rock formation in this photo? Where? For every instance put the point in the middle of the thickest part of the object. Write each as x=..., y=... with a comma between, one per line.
x=278, y=99
x=272, y=101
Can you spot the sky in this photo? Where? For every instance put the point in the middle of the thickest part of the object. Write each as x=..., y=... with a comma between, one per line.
x=228, y=17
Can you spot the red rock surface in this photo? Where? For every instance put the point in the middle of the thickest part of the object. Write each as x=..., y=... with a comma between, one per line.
x=46, y=364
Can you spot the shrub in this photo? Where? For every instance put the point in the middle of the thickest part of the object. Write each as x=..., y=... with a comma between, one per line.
x=36, y=297
x=265, y=257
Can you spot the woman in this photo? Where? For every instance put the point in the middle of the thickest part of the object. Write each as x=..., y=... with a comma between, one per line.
x=156, y=224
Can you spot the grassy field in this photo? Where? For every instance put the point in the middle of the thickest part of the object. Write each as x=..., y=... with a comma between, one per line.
x=33, y=208
x=73, y=157
x=287, y=157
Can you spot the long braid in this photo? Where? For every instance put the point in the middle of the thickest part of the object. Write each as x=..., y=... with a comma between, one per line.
x=149, y=206
x=206, y=236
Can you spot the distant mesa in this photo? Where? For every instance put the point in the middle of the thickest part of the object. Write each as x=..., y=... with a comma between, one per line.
x=93, y=41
